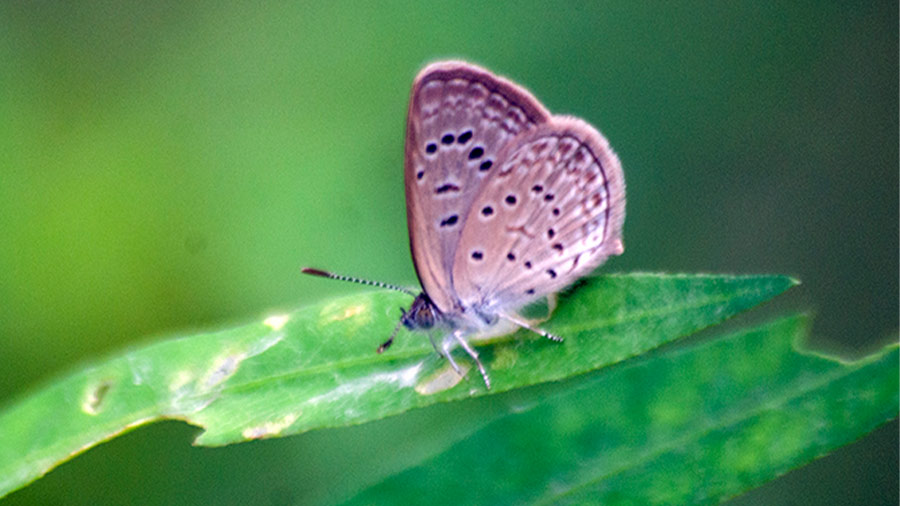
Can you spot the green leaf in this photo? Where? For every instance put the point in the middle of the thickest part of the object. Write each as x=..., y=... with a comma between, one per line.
x=317, y=367
x=680, y=426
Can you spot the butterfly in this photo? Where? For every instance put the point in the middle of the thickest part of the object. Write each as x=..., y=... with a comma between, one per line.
x=506, y=204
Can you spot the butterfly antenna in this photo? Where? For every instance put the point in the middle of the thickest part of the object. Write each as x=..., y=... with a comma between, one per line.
x=387, y=344
x=339, y=277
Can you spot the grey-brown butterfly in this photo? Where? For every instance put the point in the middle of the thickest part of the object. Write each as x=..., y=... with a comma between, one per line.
x=505, y=202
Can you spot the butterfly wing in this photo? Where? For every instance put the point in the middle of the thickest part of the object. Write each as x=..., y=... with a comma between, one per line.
x=460, y=118
x=551, y=213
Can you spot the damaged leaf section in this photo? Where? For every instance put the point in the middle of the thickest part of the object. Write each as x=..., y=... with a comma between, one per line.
x=444, y=379
x=192, y=393
x=94, y=397
x=269, y=429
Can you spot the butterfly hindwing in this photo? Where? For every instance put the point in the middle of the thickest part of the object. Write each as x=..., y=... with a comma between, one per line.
x=550, y=214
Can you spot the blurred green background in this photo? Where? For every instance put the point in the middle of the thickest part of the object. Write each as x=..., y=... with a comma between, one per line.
x=169, y=166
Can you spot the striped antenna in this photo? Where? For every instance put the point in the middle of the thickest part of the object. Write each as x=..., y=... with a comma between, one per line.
x=379, y=284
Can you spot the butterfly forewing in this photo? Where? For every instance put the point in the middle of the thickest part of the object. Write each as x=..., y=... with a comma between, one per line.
x=550, y=214
x=460, y=119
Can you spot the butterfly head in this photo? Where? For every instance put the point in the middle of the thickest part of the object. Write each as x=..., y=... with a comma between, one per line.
x=422, y=314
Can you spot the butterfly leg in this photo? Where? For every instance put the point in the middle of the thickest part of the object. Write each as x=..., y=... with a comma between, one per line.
x=526, y=325
x=434, y=345
x=458, y=336
x=445, y=352
x=552, y=299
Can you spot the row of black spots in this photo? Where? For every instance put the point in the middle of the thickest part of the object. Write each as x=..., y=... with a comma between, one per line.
x=512, y=258
x=548, y=197
x=511, y=200
x=550, y=272
x=448, y=139
x=449, y=221
x=476, y=152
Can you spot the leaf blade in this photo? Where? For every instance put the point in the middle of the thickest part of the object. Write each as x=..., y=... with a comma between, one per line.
x=316, y=367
